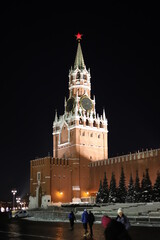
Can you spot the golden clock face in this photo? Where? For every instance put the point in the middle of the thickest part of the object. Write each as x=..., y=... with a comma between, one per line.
x=86, y=103
x=70, y=104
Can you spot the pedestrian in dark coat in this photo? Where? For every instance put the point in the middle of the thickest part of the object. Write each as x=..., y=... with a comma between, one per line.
x=91, y=220
x=114, y=230
x=123, y=218
x=72, y=218
x=85, y=220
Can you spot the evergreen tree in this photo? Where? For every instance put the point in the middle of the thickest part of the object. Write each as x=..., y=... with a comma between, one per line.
x=137, y=189
x=146, y=188
x=142, y=189
x=112, y=190
x=130, y=192
x=156, y=189
x=121, y=191
x=99, y=197
x=105, y=189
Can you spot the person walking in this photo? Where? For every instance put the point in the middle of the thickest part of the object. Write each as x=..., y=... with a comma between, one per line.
x=91, y=220
x=114, y=230
x=85, y=221
x=72, y=218
x=121, y=217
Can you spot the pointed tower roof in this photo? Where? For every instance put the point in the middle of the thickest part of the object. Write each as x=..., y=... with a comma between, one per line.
x=79, y=61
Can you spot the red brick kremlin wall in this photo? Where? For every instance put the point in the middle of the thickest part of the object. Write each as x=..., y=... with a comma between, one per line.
x=58, y=176
x=136, y=161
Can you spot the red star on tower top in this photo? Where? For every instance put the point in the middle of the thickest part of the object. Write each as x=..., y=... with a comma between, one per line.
x=78, y=36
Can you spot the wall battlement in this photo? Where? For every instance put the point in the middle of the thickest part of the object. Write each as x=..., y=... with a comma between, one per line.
x=128, y=157
x=40, y=161
x=118, y=159
x=60, y=161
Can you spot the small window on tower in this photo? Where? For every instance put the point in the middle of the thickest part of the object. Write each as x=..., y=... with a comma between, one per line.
x=78, y=75
x=80, y=121
x=83, y=134
x=101, y=125
x=94, y=124
x=87, y=122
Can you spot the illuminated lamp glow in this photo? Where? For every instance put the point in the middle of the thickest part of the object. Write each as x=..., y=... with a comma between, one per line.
x=59, y=193
x=85, y=194
x=2, y=209
x=14, y=192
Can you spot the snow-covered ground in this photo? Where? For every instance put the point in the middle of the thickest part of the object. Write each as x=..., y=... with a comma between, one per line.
x=139, y=214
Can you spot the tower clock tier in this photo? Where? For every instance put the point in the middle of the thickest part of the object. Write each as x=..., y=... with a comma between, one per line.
x=86, y=103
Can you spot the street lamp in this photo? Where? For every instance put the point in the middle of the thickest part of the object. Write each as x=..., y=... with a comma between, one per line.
x=18, y=201
x=14, y=193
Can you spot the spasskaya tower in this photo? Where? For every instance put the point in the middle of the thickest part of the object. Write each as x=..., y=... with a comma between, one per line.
x=80, y=149
x=80, y=132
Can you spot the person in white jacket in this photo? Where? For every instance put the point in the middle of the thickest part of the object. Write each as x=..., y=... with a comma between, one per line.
x=121, y=217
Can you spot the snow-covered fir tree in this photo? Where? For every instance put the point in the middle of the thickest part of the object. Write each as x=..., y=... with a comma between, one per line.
x=121, y=190
x=156, y=189
x=137, y=189
x=130, y=191
x=142, y=188
x=146, y=188
x=112, y=190
x=105, y=189
x=100, y=197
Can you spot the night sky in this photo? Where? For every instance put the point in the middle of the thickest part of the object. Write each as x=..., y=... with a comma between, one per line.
x=121, y=47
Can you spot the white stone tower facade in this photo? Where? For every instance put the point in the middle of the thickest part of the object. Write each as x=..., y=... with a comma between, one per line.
x=80, y=131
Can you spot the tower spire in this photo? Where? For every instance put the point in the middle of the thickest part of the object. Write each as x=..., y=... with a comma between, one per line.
x=79, y=61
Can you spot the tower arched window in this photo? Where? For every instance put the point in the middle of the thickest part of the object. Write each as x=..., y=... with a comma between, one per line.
x=80, y=121
x=84, y=76
x=101, y=125
x=78, y=75
x=94, y=124
x=87, y=122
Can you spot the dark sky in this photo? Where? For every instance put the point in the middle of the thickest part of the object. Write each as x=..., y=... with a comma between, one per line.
x=121, y=47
